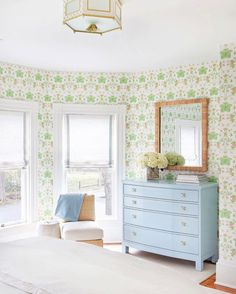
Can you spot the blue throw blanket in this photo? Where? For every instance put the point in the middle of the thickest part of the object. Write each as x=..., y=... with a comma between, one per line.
x=69, y=206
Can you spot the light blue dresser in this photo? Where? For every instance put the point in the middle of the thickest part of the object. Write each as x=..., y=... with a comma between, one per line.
x=177, y=220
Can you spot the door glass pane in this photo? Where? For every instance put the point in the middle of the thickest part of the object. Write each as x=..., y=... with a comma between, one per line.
x=10, y=197
x=93, y=181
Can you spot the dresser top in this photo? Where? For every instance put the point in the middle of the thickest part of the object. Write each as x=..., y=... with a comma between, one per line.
x=170, y=184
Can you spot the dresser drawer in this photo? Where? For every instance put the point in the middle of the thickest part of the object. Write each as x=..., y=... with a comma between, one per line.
x=160, y=205
x=161, y=221
x=161, y=239
x=161, y=193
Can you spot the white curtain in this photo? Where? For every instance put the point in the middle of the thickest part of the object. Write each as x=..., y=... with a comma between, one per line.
x=11, y=139
x=88, y=140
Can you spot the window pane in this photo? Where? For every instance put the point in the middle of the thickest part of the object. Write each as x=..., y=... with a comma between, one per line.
x=93, y=181
x=10, y=196
x=12, y=138
x=89, y=140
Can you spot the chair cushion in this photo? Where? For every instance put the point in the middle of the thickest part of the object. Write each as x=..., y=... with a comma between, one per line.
x=81, y=231
x=87, y=212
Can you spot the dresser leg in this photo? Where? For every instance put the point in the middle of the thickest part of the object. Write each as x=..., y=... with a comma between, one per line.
x=199, y=265
x=125, y=249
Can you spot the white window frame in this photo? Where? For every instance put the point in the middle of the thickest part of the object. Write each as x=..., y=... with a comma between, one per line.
x=31, y=110
x=59, y=111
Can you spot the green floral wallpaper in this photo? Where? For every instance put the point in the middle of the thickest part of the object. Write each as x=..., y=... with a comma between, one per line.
x=227, y=151
x=215, y=80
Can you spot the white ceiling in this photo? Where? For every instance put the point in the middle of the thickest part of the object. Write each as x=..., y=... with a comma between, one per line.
x=156, y=33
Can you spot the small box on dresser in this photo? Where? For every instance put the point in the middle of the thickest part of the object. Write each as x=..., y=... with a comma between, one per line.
x=177, y=220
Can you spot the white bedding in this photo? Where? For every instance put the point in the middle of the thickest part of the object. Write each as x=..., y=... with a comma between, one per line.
x=44, y=265
x=6, y=289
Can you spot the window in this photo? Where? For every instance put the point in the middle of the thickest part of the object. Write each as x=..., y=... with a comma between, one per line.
x=16, y=162
x=88, y=155
x=90, y=160
x=12, y=161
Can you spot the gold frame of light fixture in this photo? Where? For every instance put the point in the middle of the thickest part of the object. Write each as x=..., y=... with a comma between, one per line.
x=118, y=16
x=75, y=14
x=98, y=33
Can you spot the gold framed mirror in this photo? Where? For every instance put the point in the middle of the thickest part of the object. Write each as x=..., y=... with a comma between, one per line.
x=181, y=126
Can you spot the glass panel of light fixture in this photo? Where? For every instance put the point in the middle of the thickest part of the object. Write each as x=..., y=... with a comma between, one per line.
x=102, y=5
x=72, y=6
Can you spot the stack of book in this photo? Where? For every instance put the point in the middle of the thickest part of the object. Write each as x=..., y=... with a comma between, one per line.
x=192, y=179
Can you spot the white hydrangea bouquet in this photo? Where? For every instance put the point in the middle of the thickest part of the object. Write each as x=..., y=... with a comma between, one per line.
x=153, y=162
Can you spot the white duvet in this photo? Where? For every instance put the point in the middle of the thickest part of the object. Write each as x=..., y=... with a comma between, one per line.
x=44, y=265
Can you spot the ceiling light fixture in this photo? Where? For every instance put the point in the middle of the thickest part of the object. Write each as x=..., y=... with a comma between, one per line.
x=92, y=16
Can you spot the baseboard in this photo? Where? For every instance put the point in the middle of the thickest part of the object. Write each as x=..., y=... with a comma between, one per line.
x=226, y=273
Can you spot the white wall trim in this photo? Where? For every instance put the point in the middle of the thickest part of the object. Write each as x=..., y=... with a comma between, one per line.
x=31, y=108
x=226, y=273
x=59, y=110
x=18, y=105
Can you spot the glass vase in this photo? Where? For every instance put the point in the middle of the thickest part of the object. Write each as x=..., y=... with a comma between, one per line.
x=152, y=173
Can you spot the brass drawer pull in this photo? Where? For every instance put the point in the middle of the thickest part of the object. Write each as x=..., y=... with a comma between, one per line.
x=184, y=208
x=134, y=233
x=183, y=195
x=134, y=189
x=134, y=215
x=183, y=243
x=184, y=224
x=134, y=201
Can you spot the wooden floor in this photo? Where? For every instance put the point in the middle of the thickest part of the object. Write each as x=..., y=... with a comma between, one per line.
x=210, y=283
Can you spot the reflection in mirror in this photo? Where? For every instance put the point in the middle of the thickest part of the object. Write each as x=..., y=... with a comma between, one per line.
x=182, y=127
x=181, y=131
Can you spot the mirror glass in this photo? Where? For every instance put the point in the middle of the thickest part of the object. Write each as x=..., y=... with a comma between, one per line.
x=181, y=132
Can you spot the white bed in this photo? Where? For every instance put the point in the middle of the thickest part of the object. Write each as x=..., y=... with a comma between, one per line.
x=6, y=289
x=44, y=265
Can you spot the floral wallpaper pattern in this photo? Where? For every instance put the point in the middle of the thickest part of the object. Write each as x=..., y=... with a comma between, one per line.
x=227, y=151
x=139, y=91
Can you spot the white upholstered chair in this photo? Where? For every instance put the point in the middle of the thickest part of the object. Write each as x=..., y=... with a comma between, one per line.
x=85, y=229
